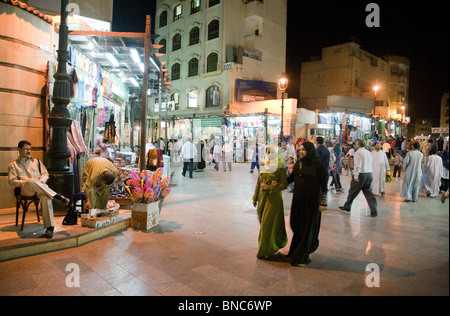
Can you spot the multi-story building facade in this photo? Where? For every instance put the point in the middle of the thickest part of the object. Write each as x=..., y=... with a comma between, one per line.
x=347, y=70
x=210, y=45
x=444, y=110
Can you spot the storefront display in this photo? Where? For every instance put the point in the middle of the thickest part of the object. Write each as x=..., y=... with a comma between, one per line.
x=343, y=127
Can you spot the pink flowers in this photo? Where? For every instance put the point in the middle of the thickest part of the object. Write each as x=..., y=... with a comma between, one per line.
x=147, y=187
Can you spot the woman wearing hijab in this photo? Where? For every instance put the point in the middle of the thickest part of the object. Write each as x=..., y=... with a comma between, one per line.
x=310, y=178
x=268, y=199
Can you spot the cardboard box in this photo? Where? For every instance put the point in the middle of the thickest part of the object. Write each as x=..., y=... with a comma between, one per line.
x=98, y=222
x=145, y=216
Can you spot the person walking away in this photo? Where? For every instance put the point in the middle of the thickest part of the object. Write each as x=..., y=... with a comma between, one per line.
x=432, y=174
x=30, y=175
x=188, y=154
x=217, y=153
x=324, y=158
x=310, y=182
x=269, y=202
x=227, y=155
x=445, y=165
x=202, y=163
x=387, y=149
x=361, y=180
x=380, y=165
x=255, y=159
x=98, y=174
x=333, y=172
x=397, y=165
x=412, y=164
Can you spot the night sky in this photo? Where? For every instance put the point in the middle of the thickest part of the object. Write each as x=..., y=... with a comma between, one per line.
x=416, y=30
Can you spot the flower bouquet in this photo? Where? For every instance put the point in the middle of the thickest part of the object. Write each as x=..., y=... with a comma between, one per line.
x=146, y=187
x=148, y=191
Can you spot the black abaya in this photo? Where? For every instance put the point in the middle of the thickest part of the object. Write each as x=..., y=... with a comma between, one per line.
x=310, y=180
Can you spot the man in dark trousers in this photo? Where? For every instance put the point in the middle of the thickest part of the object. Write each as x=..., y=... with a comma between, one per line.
x=324, y=157
x=362, y=179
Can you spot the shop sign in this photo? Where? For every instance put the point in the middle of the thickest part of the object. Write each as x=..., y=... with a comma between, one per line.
x=208, y=122
x=250, y=91
x=436, y=130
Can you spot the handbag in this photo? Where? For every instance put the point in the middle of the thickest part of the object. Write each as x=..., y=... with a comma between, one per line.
x=71, y=217
x=389, y=178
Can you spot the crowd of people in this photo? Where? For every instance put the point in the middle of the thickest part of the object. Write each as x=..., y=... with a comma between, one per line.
x=309, y=167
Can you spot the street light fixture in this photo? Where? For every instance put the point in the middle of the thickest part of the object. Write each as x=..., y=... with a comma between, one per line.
x=375, y=90
x=282, y=85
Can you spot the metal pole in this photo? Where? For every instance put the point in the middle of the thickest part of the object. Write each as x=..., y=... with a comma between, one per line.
x=60, y=176
x=159, y=109
x=282, y=114
x=143, y=153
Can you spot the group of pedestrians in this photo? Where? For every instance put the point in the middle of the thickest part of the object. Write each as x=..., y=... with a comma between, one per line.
x=310, y=174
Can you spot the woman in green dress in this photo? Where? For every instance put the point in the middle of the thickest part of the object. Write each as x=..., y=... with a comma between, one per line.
x=268, y=199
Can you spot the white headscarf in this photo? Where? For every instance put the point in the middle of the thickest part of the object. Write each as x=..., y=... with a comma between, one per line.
x=273, y=160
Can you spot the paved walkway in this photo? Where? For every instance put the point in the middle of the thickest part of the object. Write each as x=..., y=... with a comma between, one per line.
x=206, y=245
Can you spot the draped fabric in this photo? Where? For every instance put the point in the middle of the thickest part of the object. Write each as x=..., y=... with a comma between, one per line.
x=272, y=234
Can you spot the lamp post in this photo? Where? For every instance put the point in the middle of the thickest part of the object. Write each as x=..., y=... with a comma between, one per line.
x=60, y=176
x=282, y=84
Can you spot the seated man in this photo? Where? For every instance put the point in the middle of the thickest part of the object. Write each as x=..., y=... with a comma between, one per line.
x=31, y=176
x=98, y=174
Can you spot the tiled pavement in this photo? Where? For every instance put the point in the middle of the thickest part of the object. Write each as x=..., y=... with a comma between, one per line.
x=206, y=245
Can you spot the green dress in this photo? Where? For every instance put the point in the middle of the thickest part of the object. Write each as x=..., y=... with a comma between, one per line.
x=272, y=234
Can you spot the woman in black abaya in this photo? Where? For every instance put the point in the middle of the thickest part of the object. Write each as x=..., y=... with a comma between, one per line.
x=310, y=180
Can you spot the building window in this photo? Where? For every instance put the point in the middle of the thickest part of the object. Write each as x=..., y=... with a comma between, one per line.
x=193, y=67
x=213, y=29
x=178, y=13
x=175, y=98
x=212, y=61
x=213, y=3
x=163, y=19
x=176, y=71
x=162, y=50
x=176, y=42
x=195, y=6
x=193, y=99
x=194, y=36
x=213, y=97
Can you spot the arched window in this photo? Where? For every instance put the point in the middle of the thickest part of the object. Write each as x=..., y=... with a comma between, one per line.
x=163, y=19
x=195, y=6
x=193, y=67
x=213, y=3
x=177, y=12
x=213, y=29
x=176, y=71
x=175, y=98
x=162, y=50
x=213, y=97
x=212, y=62
x=176, y=42
x=192, y=99
x=194, y=36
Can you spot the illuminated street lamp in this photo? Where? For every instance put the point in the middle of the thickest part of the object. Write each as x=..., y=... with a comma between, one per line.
x=282, y=84
x=375, y=90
